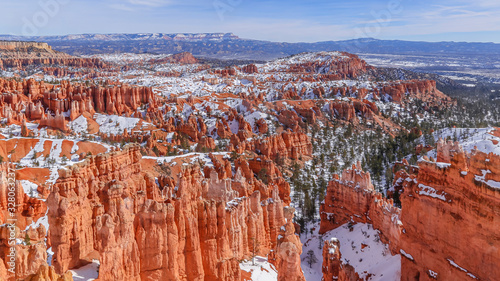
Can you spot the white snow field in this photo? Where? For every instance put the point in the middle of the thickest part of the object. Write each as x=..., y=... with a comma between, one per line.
x=375, y=258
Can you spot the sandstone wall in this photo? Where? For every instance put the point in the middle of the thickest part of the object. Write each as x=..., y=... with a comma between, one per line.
x=108, y=207
x=290, y=145
x=20, y=55
x=451, y=217
x=35, y=98
x=21, y=45
x=352, y=198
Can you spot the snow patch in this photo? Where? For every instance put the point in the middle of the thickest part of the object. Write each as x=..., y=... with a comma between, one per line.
x=261, y=271
x=374, y=259
x=431, y=192
x=115, y=125
x=88, y=272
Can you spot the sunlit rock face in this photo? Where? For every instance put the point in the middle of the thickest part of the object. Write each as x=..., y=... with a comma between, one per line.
x=193, y=229
x=448, y=208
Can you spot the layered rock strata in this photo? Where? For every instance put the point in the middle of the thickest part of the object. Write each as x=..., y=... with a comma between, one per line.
x=449, y=208
x=20, y=55
x=186, y=229
x=352, y=198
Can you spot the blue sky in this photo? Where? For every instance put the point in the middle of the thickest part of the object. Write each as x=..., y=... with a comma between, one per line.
x=289, y=21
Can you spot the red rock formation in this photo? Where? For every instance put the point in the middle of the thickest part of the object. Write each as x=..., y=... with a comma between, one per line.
x=24, y=129
x=24, y=211
x=250, y=69
x=36, y=97
x=333, y=267
x=205, y=144
x=424, y=90
x=352, y=198
x=286, y=145
x=344, y=111
x=447, y=210
x=288, y=251
x=47, y=273
x=194, y=128
x=291, y=120
x=262, y=127
x=20, y=55
x=181, y=58
x=224, y=72
x=334, y=67
x=55, y=122
x=27, y=209
x=188, y=228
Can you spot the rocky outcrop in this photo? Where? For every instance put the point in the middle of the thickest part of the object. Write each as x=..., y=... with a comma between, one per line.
x=291, y=120
x=26, y=209
x=290, y=145
x=184, y=228
x=334, y=66
x=333, y=267
x=266, y=173
x=55, y=122
x=22, y=46
x=227, y=72
x=180, y=58
x=447, y=210
x=47, y=273
x=343, y=111
x=424, y=90
x=19, y=55
x=36, y=98
x=18, y=222
x=288, y=251
x=250, y=69
x=352, y=198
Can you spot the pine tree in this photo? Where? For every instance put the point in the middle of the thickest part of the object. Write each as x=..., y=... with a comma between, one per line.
x=27, y=240
x=311, y=258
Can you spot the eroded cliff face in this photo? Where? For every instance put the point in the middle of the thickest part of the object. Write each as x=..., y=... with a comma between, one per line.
x=180, y=58
x=46, y=103
x=18, y=214
x=343, y=66
x=352, y=198
x=449, y=209
x=183, y=228
x=289, y=144
x=19, y=55
x=424, y=90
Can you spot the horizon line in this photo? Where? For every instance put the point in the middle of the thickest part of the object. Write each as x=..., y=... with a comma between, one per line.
x=238, y=37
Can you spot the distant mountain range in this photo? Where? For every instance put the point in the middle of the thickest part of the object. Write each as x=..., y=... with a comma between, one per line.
x=230, y=46
x=126, y=37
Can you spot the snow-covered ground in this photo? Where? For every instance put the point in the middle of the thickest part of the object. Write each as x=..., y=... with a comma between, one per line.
x=195, y=157
x=88, y=272
x=375, y=258
x=261, y=271
x=113, y=124
x=30, y=188
x=470, y=138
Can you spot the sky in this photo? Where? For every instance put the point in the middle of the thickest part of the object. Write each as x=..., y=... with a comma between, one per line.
x=278, y=20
